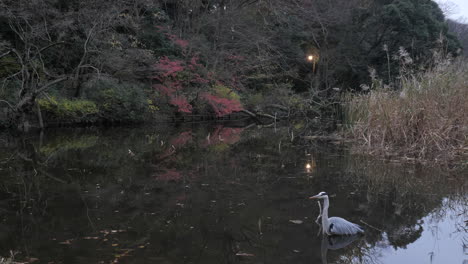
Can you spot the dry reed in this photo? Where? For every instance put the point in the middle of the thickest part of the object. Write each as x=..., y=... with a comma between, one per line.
x=426, y=119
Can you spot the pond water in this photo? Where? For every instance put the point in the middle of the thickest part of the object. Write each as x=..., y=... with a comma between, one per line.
x=219, y=194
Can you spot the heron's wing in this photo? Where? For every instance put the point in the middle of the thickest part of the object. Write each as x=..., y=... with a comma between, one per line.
x=340, y=226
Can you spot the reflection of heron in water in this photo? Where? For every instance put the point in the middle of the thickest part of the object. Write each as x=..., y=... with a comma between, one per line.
x=335, y=225
x=334, y=243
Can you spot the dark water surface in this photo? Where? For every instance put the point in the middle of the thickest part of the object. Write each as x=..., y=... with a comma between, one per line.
x=219, y=194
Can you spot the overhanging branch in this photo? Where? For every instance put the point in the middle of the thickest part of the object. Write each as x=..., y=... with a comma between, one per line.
x=48, y=85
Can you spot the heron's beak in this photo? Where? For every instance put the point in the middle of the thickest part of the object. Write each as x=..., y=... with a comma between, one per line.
x=313, y=197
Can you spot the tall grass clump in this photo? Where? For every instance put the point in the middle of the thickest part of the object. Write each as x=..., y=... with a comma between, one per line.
x=426, y=118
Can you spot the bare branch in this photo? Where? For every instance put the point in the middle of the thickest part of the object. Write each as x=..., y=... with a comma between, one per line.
x=8, y=103
x=48, y=85
x=5, y=54
x=92, y=67
x=51, y=45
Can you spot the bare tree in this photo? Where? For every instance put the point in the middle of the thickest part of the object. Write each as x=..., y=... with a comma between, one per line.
x=34, y=77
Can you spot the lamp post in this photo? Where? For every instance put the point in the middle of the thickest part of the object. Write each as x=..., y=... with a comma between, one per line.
x=311, y=58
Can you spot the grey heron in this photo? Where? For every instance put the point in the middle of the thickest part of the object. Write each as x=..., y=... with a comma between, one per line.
x=335, y=225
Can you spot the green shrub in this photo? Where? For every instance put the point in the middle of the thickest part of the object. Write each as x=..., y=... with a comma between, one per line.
x=121, y=102
x=225, y=92
x=67, y=110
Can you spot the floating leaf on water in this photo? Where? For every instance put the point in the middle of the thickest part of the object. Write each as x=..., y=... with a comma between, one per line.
x=297, y=222
x=66, y=242
x=88, y=238
x=142, y=246
x=260, y=226
x=114, y=245
x=243, y=254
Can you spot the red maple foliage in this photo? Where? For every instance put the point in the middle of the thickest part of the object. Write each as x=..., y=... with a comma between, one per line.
x=167, y=67
x=180, y=79
x=182, y=43
x=194, y=63
x=182, y=104
x=164, y=89
x=222, y=106
x=198, y=79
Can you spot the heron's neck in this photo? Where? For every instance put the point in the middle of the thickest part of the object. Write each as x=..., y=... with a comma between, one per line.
x=325, y=214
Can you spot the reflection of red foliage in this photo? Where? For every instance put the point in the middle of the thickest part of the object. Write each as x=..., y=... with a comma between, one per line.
x=181, y=197
x=169, y=175
x=222, y=134
x=222, y=106
x=167, y=153
x=182, y=139
x=182, y=104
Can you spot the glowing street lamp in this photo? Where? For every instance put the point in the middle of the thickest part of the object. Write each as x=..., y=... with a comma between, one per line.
x=311, y=58
x=310, y=166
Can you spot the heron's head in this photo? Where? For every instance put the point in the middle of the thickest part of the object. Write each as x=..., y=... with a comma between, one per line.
x=321, y=195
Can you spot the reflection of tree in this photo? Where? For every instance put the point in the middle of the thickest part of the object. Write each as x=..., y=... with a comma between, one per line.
x=178, y=196
x=398, y=196
x=404, y=235
x=189, y=146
